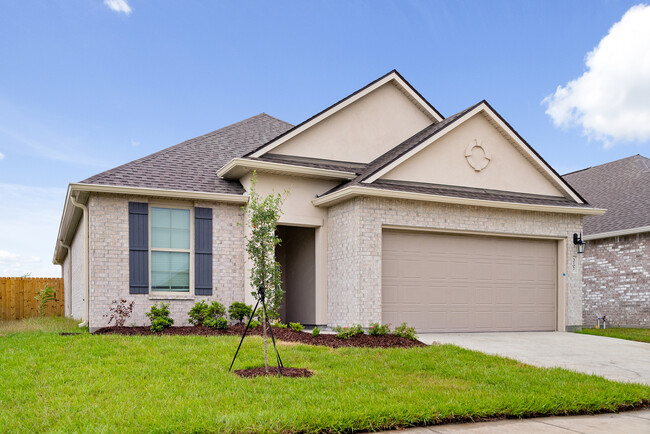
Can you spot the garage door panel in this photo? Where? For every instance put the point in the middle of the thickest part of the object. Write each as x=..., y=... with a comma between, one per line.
x=442, y=282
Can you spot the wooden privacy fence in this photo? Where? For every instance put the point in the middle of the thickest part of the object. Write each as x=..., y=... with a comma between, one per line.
x=17, y=297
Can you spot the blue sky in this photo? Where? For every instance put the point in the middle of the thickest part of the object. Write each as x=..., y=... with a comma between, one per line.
x=85, y=87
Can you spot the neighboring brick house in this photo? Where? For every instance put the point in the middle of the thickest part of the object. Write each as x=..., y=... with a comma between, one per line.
x=616, y=262
x=394, y=214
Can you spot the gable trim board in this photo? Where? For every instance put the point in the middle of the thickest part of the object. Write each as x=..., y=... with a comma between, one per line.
x=238, y=167
x=393, y=75
x=355, y=190
x=483, y=106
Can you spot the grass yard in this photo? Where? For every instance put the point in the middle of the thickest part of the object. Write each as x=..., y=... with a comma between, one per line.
x=115, y=383
x=640, y=335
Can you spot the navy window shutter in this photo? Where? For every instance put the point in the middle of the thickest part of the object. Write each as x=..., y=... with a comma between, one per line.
x=138, y=248
x=202, y=251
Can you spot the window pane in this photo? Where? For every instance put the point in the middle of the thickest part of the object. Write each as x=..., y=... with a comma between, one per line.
x=170, y=271
x=160, y=238
x=170, y=228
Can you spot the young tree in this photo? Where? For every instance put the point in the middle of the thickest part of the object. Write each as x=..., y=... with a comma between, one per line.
x=263, y=215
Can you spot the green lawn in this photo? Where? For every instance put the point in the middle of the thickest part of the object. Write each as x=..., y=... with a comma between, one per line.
x=115, y=383
x=641, y=335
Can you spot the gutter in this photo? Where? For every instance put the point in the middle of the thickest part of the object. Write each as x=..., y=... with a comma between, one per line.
x=352, y=191
x=620, y=233
x=84, y=210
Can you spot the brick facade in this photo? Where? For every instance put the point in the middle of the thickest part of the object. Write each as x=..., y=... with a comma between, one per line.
x=354, y=254
x=617, y=280
x=109, y=260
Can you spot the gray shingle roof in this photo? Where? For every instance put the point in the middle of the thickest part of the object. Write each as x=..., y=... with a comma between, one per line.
x=622, y=186
x=319, y=163
x=192, y=165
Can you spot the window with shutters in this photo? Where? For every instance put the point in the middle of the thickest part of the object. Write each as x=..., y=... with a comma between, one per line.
x=171, y=244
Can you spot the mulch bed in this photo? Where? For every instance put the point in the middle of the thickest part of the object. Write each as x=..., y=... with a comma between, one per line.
x=286, y=335
x=273, y=371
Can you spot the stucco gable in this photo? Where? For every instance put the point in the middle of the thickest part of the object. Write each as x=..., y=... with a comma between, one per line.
x=361, y=127
x=476, y=152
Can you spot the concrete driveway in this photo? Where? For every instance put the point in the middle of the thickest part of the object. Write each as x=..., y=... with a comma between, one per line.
x=615, y=359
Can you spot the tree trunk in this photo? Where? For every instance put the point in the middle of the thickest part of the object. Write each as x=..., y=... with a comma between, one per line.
x=266, y=354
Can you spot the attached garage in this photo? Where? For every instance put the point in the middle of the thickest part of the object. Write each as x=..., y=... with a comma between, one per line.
x=442, y=282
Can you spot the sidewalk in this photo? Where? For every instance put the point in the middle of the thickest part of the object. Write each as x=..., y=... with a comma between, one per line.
x=630, y=422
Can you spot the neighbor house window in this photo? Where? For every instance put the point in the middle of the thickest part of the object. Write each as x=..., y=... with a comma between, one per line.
x=170, y=249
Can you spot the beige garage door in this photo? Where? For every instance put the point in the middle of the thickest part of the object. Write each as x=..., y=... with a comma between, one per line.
x=457, y=283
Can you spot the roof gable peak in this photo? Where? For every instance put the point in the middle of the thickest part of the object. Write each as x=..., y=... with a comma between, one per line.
x=392, y=76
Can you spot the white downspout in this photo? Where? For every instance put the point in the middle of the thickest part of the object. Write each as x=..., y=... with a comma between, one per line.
x=84, y=210
x=68, y=298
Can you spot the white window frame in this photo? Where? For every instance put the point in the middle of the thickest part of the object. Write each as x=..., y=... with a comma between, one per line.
x=172, y=294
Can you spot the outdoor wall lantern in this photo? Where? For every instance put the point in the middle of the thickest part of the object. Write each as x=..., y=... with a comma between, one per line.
x=580, y=244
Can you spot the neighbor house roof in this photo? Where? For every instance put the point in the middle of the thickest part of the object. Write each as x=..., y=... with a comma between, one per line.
x=192, y=164
x=623, y=187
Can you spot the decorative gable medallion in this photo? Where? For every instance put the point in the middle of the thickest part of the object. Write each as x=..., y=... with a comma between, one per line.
x=477, y=155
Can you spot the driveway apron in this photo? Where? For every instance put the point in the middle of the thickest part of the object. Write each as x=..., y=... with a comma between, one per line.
x=615, y=359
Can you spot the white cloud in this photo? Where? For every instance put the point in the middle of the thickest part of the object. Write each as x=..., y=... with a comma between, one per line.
x=135, y=143
x=2, y=156
x=119, y=6
x=29, y=224
x=611, y=100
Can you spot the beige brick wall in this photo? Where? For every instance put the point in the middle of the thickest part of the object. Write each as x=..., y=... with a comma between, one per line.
x=354, y=251
x=109, y=260
x=617, y=281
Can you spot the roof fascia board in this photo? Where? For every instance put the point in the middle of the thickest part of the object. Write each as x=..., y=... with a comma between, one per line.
x=620, y=233
x=391, y=76
x=483, y=107
x=238, y=167
x=68, y=209
x=158, y=192
x=353, y=191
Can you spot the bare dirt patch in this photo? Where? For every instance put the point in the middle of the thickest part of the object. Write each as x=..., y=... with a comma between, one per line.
x=274, y=372
x=286, y=335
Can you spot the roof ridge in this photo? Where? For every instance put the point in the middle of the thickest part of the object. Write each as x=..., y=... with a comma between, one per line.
x=169, y=148
x=393, y=71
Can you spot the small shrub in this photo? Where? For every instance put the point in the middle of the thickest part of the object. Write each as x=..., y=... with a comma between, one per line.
x=405, y=331
x=315, y=332
x=280, y=325
x=159, y=317
x=255, y=323
x=44, y=297
x=239, y=311
x=296, y=326
x=219, y=323
x=204, y=314
x=198, y=313
x=216, y=310
x=120, y=312
x=348, y=332
x=377, y=329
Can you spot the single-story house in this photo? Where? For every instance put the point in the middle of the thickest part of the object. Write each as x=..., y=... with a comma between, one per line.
x=616, y=262
x=394, y=214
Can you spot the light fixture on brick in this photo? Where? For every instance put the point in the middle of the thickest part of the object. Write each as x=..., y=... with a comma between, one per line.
x=580, y=244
